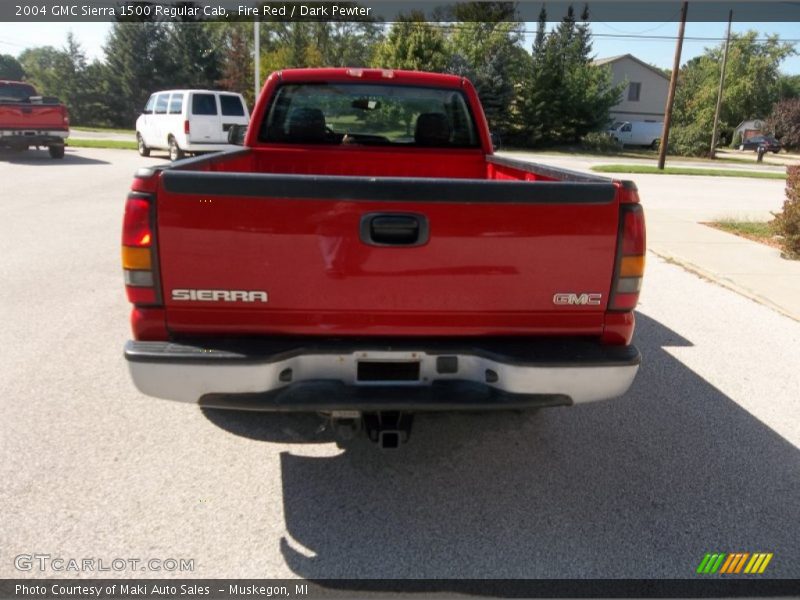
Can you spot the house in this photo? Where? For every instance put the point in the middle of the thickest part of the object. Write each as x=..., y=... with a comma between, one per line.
x=645, y=93
x=747, y=129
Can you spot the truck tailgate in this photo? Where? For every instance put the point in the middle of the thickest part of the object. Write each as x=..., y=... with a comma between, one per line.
x=383, y=256
x=31, y=116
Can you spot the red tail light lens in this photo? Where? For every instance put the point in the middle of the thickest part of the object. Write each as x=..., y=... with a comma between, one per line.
x=138, y=251
x=186, y=127
x=630, y=259
x=136, y=228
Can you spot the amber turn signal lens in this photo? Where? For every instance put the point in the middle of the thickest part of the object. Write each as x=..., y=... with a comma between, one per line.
x=632, y=266
x=136, y=258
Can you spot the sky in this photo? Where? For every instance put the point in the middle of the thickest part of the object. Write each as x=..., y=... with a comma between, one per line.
x=15, y=37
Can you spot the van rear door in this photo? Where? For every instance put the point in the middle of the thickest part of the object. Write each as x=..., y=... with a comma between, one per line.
x=204, y=121
x=234, y=112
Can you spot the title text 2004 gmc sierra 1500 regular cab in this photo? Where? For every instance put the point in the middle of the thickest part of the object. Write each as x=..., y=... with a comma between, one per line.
x=366, y=256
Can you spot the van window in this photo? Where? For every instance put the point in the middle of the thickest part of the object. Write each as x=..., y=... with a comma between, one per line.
x=161, y=104
x=626, y=127
x=231, y=105
x=204, y=104
x=176, y=104
x=151, y=102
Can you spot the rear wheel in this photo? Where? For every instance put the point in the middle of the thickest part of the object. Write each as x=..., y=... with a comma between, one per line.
x=141, y=146
x=655, y=144
x=56, y=151
x=175, y=152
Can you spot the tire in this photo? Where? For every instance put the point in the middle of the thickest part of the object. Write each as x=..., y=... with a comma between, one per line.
x=175, y=152
x=56, y=151
x=655, y=144
x=140, y=145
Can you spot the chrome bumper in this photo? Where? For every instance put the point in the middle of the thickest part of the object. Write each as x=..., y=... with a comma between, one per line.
x=312, y=376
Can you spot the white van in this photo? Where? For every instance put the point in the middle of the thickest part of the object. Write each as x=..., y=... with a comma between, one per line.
x=637, y=133
x=192, y=121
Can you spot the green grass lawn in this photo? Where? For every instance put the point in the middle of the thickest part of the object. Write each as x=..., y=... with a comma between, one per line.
x=758, y=231
x=114, y=144
x=630, y=153
x=130, y=132
x=648, y=169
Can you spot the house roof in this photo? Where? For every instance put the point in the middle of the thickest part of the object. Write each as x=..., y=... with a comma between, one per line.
x=747, y=121
x=613, y=59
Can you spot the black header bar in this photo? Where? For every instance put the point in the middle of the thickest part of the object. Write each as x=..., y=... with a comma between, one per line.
x=744, y=11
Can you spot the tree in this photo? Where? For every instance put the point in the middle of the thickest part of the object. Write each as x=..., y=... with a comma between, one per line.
x=237, y=60
x=488, y=51
x=565, y=95
x=138, y=63
x=784, y=122
x=788, y=86
x=414, y=44
x=10, y=68
x=751, y=88
x=194, y=60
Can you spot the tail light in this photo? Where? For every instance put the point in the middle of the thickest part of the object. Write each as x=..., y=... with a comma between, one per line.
x=139, y=251
x=629, y=269
x=186, y=127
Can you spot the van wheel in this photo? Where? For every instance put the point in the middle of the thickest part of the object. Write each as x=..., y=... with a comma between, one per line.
x=656, y=143
x=140, y=145
x=175, y=152
x=56, y=151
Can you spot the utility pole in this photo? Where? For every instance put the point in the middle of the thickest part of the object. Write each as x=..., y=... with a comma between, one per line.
x=257, y=56
x=673, y=81
x=712, y=153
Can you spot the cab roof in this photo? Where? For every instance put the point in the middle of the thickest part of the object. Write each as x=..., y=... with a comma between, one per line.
x=355, y=74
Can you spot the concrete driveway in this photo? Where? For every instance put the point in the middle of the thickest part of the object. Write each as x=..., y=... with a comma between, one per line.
x=702, y=455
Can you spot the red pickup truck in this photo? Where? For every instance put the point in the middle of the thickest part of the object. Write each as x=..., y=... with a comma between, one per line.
x=367, y=256
x=27, y=119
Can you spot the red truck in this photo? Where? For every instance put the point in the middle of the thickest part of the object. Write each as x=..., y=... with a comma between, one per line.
x=365, y=255
x=27, y=119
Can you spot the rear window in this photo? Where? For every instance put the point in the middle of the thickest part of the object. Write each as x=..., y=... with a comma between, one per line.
x=369, y=114
x=204, y=104
x=16, y=92
x=231, y=106
x=161, y=104
x=176, y=104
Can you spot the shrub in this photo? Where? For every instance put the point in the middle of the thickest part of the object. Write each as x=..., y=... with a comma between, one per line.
x=784, y=121
x=737, y=140
x=787, y=222
x=600, y=141
x=689, y=140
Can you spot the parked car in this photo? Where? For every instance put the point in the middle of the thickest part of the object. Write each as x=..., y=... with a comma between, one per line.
x=366, y=255
x=28, y=119
x=189, y=121
x=637, y=133
x=770, y=143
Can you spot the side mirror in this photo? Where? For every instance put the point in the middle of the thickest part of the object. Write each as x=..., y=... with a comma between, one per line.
x=495, y=141
x=236, y=134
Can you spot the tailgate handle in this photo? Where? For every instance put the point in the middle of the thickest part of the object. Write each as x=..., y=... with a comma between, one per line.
x=394, y=229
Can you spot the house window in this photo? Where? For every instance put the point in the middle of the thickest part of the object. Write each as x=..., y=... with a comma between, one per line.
x=634, y=89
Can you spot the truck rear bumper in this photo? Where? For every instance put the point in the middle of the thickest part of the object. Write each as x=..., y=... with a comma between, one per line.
x=32, y=137
x=404, y=375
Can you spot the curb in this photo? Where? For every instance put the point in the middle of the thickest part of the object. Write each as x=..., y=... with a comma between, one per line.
x=723, y=282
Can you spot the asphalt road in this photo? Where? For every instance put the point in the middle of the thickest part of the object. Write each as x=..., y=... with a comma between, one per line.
x=701, y=455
